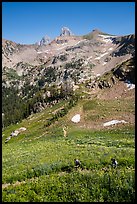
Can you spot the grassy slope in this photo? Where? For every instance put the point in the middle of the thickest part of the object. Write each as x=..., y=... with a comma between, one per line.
x=42, y=159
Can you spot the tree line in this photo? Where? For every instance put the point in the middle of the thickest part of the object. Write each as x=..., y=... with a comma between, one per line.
x=16, y=107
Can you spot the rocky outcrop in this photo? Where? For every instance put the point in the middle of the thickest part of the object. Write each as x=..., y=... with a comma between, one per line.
x=126, y=71
x=15, y=133
x=9, y=47
x=61, y=57
x=65, y=32
x=29, y=69
x=104, y=84
x=44, y=41
x=126, y=45
x=38, y=107
x=61, y=41
x=93, y=34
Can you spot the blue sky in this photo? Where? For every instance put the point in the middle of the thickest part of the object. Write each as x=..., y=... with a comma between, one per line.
x=28, y=22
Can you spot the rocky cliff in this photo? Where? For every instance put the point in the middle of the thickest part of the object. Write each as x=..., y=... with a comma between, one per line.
x=66, y=60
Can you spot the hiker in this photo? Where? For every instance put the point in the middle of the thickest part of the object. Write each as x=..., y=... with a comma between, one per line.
x=77, y=163
x=114, y=162
x=64, y=131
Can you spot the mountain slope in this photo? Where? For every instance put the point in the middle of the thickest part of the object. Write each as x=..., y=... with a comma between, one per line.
x=29, y=72
x=43, y=88
x=44, y=158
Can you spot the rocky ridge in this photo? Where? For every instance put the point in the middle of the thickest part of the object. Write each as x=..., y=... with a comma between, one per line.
x=67, y=60
x=77, y=58
x=44, y=41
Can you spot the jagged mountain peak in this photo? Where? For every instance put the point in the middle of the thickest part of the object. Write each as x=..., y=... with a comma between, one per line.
x=68, y=59
x=44, y=41
x=96, y=30
x=65, y=31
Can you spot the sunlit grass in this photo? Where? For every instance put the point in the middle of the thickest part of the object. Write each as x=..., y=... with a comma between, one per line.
x=43, y=158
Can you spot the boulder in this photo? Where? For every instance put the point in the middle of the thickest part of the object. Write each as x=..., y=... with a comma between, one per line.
x=113, y=122
x=7, y=139
x=22, y=129
x=17, y=132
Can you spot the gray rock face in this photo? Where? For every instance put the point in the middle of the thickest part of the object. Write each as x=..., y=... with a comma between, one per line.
x=45, y=40
x=65, y=32
x=83, y=59
x=126, y=45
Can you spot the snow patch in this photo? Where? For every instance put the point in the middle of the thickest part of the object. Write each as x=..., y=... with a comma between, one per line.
x=104, y=63
x=86, y=62
x=107, y=38
x=113, y=122
x=102, y=55
x=111, y=48
x=76, y=118
x=89, y=58
x=75, y=87
x=46, y=51
x=62, y=47
x=80, y=41
x=97, y=57
x=129, y=85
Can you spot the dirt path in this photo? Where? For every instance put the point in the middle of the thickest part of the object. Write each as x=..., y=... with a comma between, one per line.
x=17, y=183
x=5, y=185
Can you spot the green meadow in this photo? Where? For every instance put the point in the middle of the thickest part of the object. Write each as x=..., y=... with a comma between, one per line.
x=38, y=165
